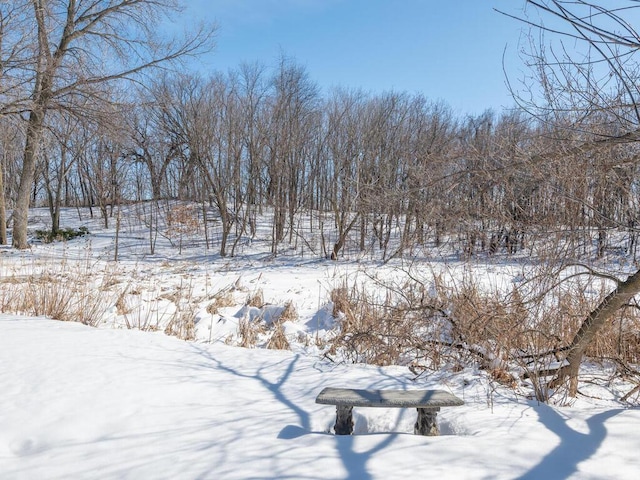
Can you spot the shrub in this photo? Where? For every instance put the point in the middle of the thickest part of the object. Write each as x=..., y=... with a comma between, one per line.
x=61, y=235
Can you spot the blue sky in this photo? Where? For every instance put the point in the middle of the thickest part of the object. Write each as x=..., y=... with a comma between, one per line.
x=449, y=50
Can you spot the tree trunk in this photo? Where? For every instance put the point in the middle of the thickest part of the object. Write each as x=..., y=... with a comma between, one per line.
x=342, y=236
x=590, y=327
x=45, y=69
x=3, y=210
x=21, y=210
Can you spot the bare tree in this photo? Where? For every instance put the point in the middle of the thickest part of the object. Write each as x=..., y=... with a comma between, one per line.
x=343, y=139
x=253, y=92
x=293, y=111
x=104, y=170
x=588, y=86
x=149, y=143
x=430, y=143
x=77, y=46
x=65, y=145
x=3, y=211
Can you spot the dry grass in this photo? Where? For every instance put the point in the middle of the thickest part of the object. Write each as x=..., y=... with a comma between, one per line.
x=222, y=299
x=423, y=324
x=373, y=330
x=249, y=332
x=256, y=299
x=429, y=325
x=278, y=340
x=340, y=300
x=56, y=297
x=289, y=313
x=182, y=325
x=121, y=304
x=85, y=293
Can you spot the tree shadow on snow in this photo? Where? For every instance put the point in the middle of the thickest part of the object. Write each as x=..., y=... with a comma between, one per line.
x=574, y=448
x=260, y=376
x=354, y=462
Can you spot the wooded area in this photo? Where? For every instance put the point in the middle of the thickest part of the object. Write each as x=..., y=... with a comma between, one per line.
x=259, y=139
x=87, y=118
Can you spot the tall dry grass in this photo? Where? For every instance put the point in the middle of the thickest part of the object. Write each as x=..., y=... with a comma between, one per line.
x=58, y=289
x=521, y=334
x=92, y=293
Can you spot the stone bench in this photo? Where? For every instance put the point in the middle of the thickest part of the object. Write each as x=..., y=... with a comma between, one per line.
x=427, y=402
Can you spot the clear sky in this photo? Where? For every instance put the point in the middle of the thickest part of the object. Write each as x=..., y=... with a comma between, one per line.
x=449, y=50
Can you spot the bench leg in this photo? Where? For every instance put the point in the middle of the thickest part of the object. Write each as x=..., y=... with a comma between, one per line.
x=426, y=423
x=344, y=421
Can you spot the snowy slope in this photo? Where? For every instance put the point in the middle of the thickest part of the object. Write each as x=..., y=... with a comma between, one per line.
x=86, y=403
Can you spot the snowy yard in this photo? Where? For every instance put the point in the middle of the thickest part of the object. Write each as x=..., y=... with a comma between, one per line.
x=189, y=256
x=80, y=402
x=115, y=402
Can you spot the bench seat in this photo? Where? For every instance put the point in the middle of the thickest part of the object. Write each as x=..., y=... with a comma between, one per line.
x=427, y=402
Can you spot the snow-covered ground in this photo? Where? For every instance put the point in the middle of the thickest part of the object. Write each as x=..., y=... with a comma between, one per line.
x=113, y=402
x=80, y=402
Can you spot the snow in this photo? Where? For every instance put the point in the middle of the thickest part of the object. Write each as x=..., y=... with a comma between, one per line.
x=81, y=402
x=120, y=403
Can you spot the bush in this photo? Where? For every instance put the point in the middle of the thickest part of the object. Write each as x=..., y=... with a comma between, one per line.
x=62, y=235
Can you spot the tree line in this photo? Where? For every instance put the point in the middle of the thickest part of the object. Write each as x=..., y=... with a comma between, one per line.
x=371, y=167
x=90, y=119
